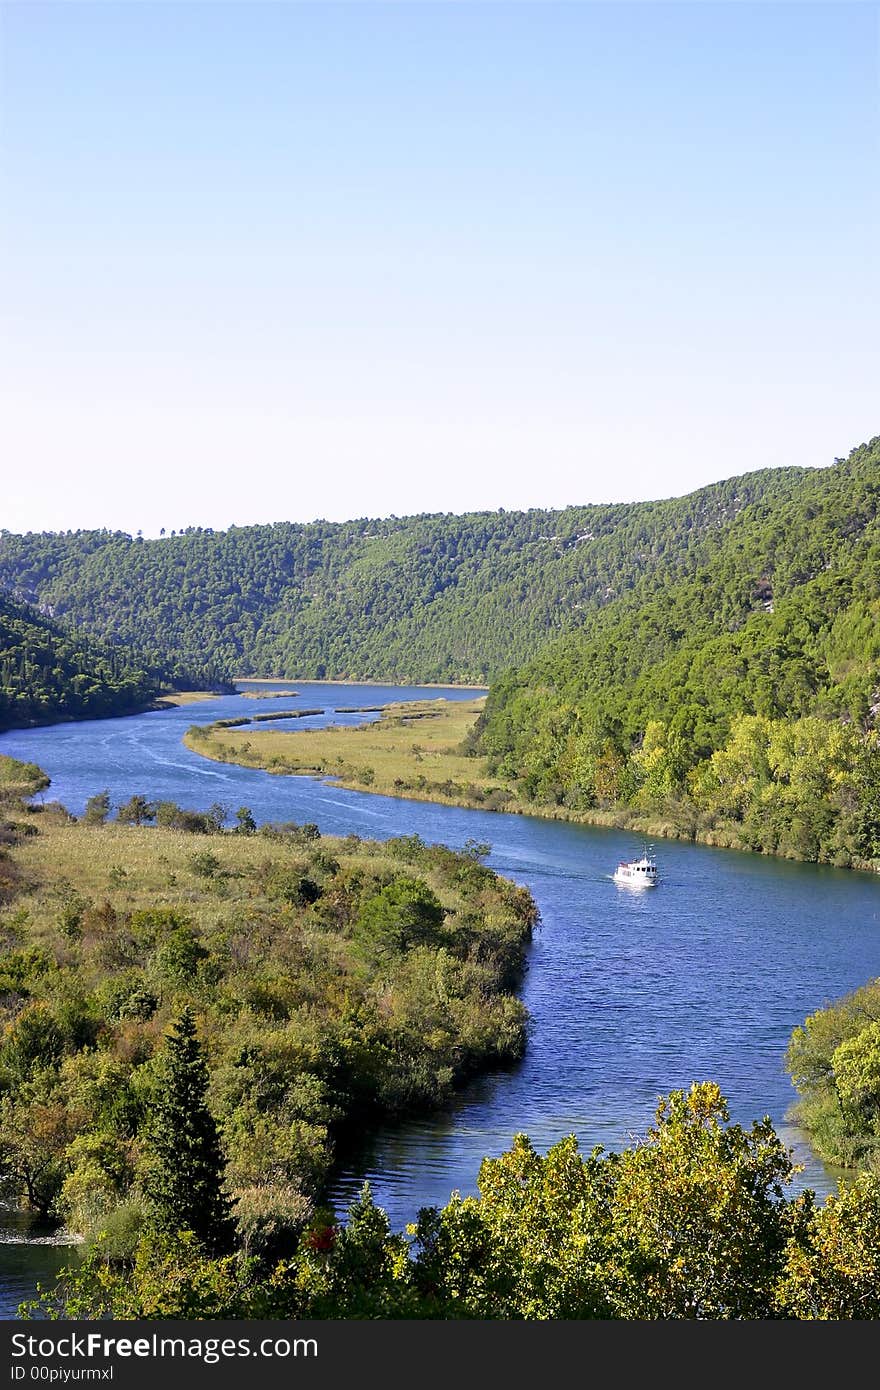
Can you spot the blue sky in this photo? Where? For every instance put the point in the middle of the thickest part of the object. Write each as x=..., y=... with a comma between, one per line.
x=284, y=261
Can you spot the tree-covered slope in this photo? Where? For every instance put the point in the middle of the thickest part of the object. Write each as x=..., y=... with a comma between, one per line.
x=741, y=682
x=430, y=598
x=47, y=672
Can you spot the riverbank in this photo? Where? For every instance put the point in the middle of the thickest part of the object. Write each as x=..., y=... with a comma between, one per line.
x=167, y=700
x=268, y=694
x=627, y=993
x=417, y=752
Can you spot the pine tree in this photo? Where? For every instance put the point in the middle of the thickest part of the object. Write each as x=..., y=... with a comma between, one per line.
x=183, y=1181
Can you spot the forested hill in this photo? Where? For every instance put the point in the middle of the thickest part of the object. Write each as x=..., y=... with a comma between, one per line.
x=741, y=684
x=430, y=598
x=49, y=673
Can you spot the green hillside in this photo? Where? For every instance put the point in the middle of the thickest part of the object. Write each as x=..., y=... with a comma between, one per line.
x=47, y=673
x=740, y=683
x=424, y=598
x=50, y=671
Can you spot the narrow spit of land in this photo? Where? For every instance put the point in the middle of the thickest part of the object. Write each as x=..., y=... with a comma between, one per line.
x=268, y=694
x=343, y=981
x=185, y=697
x=413, y=750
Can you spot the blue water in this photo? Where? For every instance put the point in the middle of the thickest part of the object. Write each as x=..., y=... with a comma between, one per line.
x=630, y=994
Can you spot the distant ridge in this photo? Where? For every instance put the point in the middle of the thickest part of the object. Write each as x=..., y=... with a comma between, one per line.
x=428, y=598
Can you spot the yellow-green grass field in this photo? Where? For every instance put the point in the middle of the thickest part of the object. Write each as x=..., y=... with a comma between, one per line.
x=414, y=750
x=135, y=867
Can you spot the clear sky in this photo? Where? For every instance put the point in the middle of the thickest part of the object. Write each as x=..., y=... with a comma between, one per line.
x=288, y=261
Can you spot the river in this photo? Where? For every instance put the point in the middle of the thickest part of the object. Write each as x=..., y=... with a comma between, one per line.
x=630, y=994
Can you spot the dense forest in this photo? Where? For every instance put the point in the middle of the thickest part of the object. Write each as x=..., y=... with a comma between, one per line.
x=50, y=672
x=739, y=687
x=711, y=662
x=445, y=598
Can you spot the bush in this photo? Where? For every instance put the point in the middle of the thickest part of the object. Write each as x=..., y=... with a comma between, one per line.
x=403, y=914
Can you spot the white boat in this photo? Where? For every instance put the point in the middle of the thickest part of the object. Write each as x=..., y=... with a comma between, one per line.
x=638, y=873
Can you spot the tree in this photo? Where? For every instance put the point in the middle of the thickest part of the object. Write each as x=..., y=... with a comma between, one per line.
x=404, y=913
x=699, y=1219
x=835, y=1272
x=98, y=808
x=185, y=1167
x=205, y=864
x=246, y=823
x=533, y=1245
x=136, y=811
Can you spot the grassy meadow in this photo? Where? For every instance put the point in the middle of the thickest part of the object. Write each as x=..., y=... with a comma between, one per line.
x=414, y=750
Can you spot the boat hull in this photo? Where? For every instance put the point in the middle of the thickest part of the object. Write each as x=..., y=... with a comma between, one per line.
x=632, y=882
x=637, y=873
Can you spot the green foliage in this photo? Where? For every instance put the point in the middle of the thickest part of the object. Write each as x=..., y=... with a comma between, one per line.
x=402, y=914
x=36, y=1127
x=136, y=811
x=693, y=1221
x=834, y=1271
x=50, y=672
x=18, y=779
x=733, y=690
x=162, y=1276
x=205, y=864
x=97, y=808
x=184, y=1166
x=306, y=1031
x=689, y=1223
x=834, y=1061
x=178, y=957
x=427, y=597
